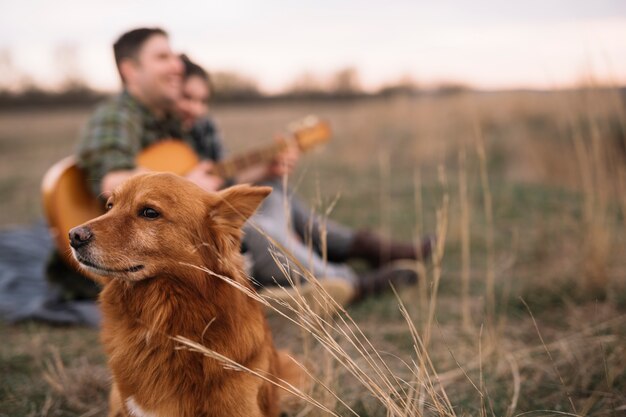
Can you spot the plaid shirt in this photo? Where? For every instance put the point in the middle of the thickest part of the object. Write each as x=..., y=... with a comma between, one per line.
x=122, y=127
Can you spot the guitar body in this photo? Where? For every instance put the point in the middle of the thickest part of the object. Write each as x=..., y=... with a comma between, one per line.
x=168, y=155
x=69, y=202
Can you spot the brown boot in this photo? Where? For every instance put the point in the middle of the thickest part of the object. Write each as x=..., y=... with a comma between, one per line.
x=377, y=251
x=378, y=281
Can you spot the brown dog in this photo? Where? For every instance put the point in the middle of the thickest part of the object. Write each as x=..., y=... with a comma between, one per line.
x=155, y=224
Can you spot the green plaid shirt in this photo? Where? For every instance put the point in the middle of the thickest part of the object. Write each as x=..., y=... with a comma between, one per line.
x=122, y=127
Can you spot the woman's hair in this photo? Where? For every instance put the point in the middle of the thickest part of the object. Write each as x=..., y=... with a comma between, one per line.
x=192, y=69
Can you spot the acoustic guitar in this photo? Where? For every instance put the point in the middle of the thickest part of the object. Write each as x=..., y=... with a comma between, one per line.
x=69, y=202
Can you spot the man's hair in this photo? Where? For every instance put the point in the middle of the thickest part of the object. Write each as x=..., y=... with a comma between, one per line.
x=129, y=44
x=193, y=69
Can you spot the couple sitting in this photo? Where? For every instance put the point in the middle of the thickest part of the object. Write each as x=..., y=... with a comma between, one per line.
x=166, y=96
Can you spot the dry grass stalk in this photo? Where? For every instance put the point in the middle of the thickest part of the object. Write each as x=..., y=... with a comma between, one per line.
x=596, y=230
x=481, y=379
x=426, y=380
x=385, y=197
x=464, y=228
x=556, y=369
x=77, y=386
x=597, y=273
x=329, y=363
x=437, y=256
x=422, y=284
x=418, y=397
x=517, y=382
x=490, y=278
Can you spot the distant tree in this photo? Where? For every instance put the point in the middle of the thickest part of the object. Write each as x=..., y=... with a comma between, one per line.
x=306, y=84
x=346, y=82
x=21, y=90
x=233, y=86
x=449, y=88
x=405, y=85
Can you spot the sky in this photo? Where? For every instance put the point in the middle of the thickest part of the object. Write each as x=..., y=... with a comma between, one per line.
x=486, y=44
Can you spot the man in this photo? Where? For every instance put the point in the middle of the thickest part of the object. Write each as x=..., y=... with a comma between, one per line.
x=140, y=116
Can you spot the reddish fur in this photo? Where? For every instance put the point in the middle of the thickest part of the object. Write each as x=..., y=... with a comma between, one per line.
x=142, y=310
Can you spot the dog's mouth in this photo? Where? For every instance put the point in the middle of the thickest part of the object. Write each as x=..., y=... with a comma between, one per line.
x=100, y=268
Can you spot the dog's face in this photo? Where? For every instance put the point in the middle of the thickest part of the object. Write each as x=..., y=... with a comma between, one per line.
x=155, y=222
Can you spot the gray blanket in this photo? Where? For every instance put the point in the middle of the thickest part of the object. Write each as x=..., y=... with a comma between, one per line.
x=25, y=293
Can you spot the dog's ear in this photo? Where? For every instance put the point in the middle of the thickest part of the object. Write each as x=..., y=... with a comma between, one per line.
x=236, y=204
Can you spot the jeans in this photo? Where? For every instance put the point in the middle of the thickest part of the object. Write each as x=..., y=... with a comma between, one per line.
x=291, y=224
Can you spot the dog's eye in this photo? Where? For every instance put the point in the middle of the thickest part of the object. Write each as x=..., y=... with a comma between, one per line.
x=109, y=206
x=149, y=213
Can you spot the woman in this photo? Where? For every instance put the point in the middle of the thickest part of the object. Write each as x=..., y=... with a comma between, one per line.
x=193, y=110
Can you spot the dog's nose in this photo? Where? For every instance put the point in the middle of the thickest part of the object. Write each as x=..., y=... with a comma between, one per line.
x=80, y=236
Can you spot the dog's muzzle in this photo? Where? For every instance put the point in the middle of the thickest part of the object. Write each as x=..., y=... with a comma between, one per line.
x=80, y=236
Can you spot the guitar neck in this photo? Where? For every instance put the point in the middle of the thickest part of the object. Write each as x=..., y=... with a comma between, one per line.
x=232, y=166
x=177, y=157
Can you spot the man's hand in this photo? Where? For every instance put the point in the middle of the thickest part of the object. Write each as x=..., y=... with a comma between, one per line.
x=285, y=162
x=202, y=177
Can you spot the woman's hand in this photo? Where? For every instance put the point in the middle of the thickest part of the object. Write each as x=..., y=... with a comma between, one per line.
x=285, y=162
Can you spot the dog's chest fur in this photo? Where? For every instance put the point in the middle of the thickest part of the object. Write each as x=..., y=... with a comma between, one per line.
x=157, y=378
x=135, y=410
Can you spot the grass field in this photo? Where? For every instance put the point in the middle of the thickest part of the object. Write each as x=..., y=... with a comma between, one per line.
x=523, y=312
